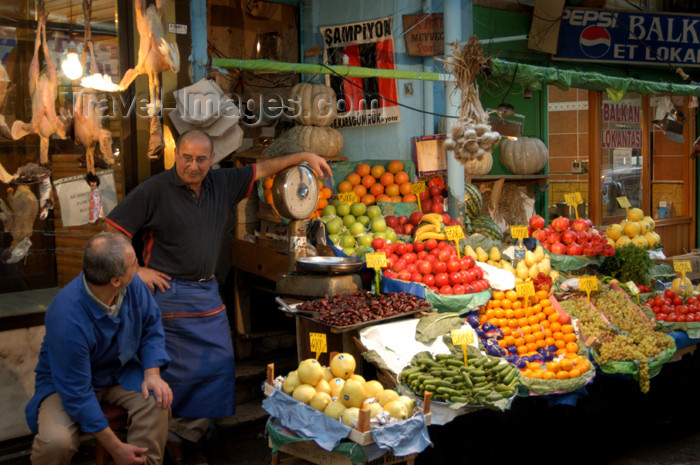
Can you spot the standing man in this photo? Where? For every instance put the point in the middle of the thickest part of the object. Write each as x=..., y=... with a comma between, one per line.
x=180, y=215
x=104, y=343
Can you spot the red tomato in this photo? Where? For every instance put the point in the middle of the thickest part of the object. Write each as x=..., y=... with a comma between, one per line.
x=410, y=257
x=399, y=266
x=682, y=309
x=455, y=278
x=453, y=266
x=418, y=247
x=439, y=267
x=405, y=276
x=429, y=280
x=430, y=244
x=443, y=244
x=479, y=272
x=444, y=256
x=466, y=279
x=661, y=316
x=409, y=247
x=692, y=300
x=422, y=254
x=669, y=293
x=390, y=248
x=671, y=317
x=677, y=300
x=656, y=309
x=411, y=268
x=442, y=279
x=424, y=267
x=680, y=318
x=658, y=300
x=432, y=259
x=470, y=262
x=690, y=317
x=435, y=252
x=401, y=249
x=468, y=289
x=416, y=277
x=446, y=290
x=458, y=289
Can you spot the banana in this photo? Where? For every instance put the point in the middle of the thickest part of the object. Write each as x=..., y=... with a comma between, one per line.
x=429, y=227
x=432, y=218
x=430, y=235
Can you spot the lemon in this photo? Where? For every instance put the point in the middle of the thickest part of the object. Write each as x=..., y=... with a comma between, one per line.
x=397, y=409
x=323, y=386
x=386, y=396
x=304, y=393
x=352, y=394
x=632, y=229
x=373, y=387
x=343, y=365
x=310, y=371
x=291, y=382
x=614, y=231
x=335, y=409
x=336, y=384
x=635, y=214
x=349, y=416
x=320, y=401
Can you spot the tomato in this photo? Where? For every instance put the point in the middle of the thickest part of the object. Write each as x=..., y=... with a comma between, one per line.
x=667, y=309
x=692, y=300
x=424, y=267
x=455, y=278
x=404, y=276
x=677, y=300
x=401, y=249
x=661, y=317
x=669, y=293
x=680, y=318
x=658, y=300
x=390, y=248
x=444, y=256
x=464, y=263
x=458, y=289
x=435, y=252
x=439, y=267
x=430, y=244
x=682, y=309
x=432, y=259
x=410, y=257
x=421, y=255
x=453, y=266
x=399, y=266
x=409, y=247
x=411, y=268
x=690, y=317
x=428, y=280
x=656, y=309
x=443, y=244
x=446, y=290
x=442, y=279
x=468, y=289
x=479, y=272
x=470, y=262
x=389, y=263
x=466, y=279
x=418, y=247
x=692, y=308
x=671, y=317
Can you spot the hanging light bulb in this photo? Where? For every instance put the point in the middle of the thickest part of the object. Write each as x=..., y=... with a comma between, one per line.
x=70, y=64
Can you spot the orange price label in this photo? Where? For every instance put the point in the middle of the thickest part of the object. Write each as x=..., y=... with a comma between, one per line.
x=376, y=260
x=347, y=197
x=317, y=343
x=417, y=188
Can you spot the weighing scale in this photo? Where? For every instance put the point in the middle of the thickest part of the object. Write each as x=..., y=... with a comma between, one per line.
x=295, y=193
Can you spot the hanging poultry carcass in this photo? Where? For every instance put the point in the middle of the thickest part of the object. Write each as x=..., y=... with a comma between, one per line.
x=43, y=89
x=4, y=84
x=156, y=55
x=19, y=221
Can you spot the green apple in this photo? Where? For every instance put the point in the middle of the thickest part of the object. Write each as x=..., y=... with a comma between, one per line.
x=329, y=210
x=349, y=251
x=364, y=219
x=349, y=220
x=356, y=229
x=334, y=225
x=342, y=209
x=335, y=238
x=391, y=236
x=335, y=203
x=365, y=240
x=381, y=235
x=326, y=219
x=347, y=241
x=361, y=251
x=374, y=212
x=378, y=224
x=358, y=209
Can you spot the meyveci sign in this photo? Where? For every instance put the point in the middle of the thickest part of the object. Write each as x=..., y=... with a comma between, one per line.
x=620, y=37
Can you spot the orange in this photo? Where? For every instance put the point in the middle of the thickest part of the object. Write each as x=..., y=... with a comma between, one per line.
x=359, y=190
x=404, y=187
x=544, y=324
x=519, y=341
x=512, y=295
x=534, y=366
x=345, y=186
x=533, y=320
x=525, y=372
x=490, y=313
x=321, y=203
x=518, y=312
x=529, y=338
x=502, y=322
x=548, y=375
x=546, y=303
x=570, y=337
x=509, y=340
x=538, y=335
x=548, y=332
x=574, y=373
x=531, y=347
x=376, y=189
x=267, y=194
x=386, y=179
x=409, y=198
x=368, y=199
x=482, y=320
x=558, y=335
x=553, y=318
x=362, y=169
x=383, y=198
x=529, y=311
x=507, y=304
x=541, y=295
x=571, y=347
x=548, y=310
x=571, y=356
x=268, y=183
x=555, y=326
x=493, y=321
x=502, y=344
x=508, y=312
x=400, y=177
x=540, y=343
x=566, y=329
x=553, y=366
x=326, y=193
x=549, y=341
x=499, y=295
x=522, y=350
x=560, y=352
x=377, y=171
x=395, y=166
x=537, y=308
x=566, y=364
x=506, y=330
x=368, y=181
x=500, y=313
x=522, y=322
x=391, y=190
x=354, y=179
x=395, y=198
x=516, y=304
x=513, y=323
x=559, y=344
x=562, y=375
x=583, y=365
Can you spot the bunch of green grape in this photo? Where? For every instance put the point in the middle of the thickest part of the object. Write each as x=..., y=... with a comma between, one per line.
x=589, y=320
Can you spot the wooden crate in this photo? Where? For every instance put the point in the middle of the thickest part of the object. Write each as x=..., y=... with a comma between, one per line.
x=311, y=452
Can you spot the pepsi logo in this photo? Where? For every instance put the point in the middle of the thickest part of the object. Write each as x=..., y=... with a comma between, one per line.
x=594, y=41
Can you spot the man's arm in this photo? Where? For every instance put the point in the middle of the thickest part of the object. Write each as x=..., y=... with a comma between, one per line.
x=272, y=166
x=153, y=382
x=123, y=453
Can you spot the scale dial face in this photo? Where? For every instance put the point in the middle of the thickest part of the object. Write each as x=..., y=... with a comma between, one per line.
x=295, y=192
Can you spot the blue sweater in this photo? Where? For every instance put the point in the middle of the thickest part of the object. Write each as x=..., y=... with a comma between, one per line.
x=85, y=350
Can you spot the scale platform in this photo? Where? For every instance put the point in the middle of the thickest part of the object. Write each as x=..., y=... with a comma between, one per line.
x=317, y=285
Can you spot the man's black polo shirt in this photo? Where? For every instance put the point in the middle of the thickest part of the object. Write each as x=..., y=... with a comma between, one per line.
x=182, y=232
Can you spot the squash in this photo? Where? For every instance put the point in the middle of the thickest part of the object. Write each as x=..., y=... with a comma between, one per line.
x=525, y=155
x=478, y=167
x=312, y=104
x=326, y=142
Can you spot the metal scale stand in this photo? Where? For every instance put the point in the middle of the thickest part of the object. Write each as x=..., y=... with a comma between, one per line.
x=295, y=193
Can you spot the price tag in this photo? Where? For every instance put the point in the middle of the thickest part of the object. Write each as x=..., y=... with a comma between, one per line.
x=525, y=289
x=633, y=289
x=376, y=260
x=682, y=266
x=462, y=337
x=455, y=233
x=573, y=199
x=317, y=343
x=624, y=202
x=519, y=232
x=588, y=284
x=416, y=189
x=347, y=197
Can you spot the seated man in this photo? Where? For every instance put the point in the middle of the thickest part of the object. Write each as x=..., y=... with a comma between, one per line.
x=104, y=343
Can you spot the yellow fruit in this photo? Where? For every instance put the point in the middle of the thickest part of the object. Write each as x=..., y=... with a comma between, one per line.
x=343, y=365
x=641, y=242
x=373, y=387
x=291, y=382
x=409, y=403
x=349, y=417
x=359, y=378
x=397, y=409
x=323, y=386
x=386, y=396
x=545, y=266
x=336, y=384
x=644, y=224
x=678, y=282
x=352, y=394
x=530, y=259
x=521, y=270
x=304, y=393
x=335, y=409
x=611, y=242
x=539, y=253
x=495, y=254
x=469, y=251
x=651, y=239
x=481, y=255
x=320, y=401
x=635, y=214
x=554, y=274
x=632, y=229
x=310, y=371
x=614, y=231
x=650, y=220
x=374, y=409
x=507, y=266
x=533, y=271
x=327, y=374
x=622, y=241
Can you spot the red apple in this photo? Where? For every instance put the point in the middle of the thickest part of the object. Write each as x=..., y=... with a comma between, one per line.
x=558, y=248
x=408, y=228
x=426, y=205
x=438, y=199
x=435, y=190
x=391, y=221
x=378, y=243
x=540, y=235
x=399, y=229
x=423, y=196
x=564, y=319
x=403, y=220
x=568, y=236
x=561, y=223
x=437, y=208
x=415, y=218
x=537, y=222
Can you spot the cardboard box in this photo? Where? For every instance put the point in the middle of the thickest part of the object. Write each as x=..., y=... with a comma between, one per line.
x=428, y=154
x=693, y=256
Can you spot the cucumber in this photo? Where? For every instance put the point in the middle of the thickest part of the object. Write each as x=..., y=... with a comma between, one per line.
x=430, y=387
x=500, y=368
x=449, y=373
x=477, y=362
x=510, y=376
x=467, y=380
x=495, y=397
x=452, y=362
x=459, y=399
x=492, y=363
x=442, y=357
x=442, y=383
x=477, y=373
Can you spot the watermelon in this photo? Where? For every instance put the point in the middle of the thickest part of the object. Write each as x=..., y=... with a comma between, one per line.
x=485, y=225
x=473, y=202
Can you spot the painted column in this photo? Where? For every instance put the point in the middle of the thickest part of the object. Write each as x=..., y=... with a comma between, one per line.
x=198, y=25
x=428, y=121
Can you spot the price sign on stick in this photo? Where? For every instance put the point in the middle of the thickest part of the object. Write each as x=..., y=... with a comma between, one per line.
x=376, y=260
x=317, y=343
x=682, y=267
x=347, y=197
x=417, y=188
x=462, y=337
x=624, y=202
x=574, y=200
x=588, y=284
x=455, y=233
x=524, y=291
x=519, y=232
x=633, y=289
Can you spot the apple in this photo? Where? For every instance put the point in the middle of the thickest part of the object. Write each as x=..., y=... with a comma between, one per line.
x=560, y=224
x=564, y=319
x=402, y=220
x=408, y=228
x=391, y=221
x=437, y=208
x=580, y=224
x=358, y=209
x=558, y=248
x=378, y=243
x=373, y=212
x=423, y=196
x=400, y=229
x=415, y=218
x=568, y=236
x=435, y=190
x=378, y=224
x=438, y=199
x=537, y=222
x=574, y=249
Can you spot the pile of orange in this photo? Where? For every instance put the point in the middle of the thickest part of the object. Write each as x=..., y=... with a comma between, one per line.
x=373, y=184
x=572, y=365
x=528, y=327
x=324, y=194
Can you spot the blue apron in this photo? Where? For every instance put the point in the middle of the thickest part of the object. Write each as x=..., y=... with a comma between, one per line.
x=198, y=340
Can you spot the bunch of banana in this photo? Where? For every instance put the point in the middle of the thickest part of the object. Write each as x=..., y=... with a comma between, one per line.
x=533, y=264
x=493, y=257
x=430, y=227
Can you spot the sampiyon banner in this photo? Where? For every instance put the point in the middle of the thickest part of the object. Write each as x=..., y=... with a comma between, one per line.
x=362, y=101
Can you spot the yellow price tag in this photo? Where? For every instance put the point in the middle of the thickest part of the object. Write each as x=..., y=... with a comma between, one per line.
x=525, y=289
x=588, y=284
x=462, y=337
x=376, y=260
x=682, y=266
x=633, y=288
x=624, y=202
x=317, y=343
x=519, y=232
x=417, y=188
x=347, y=197
x=573, y=199
x=454, y=233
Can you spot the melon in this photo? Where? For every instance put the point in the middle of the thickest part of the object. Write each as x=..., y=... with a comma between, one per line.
x=473, y=201
x=485, y=225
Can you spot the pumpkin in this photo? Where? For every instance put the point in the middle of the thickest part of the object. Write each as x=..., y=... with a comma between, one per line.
x=525, y=155
x=326, y=142
x=312, y=104
x=478, y=167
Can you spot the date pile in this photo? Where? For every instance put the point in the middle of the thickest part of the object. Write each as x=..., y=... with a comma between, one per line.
x=361, y=306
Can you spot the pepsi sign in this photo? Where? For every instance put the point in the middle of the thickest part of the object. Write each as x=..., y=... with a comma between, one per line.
x=628, y=37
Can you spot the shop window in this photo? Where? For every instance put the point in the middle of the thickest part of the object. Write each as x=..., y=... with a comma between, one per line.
x=54, y=250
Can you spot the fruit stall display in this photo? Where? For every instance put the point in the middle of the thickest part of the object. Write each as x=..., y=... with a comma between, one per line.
x=379, y=183
x=565, y=237
x=635, y=229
